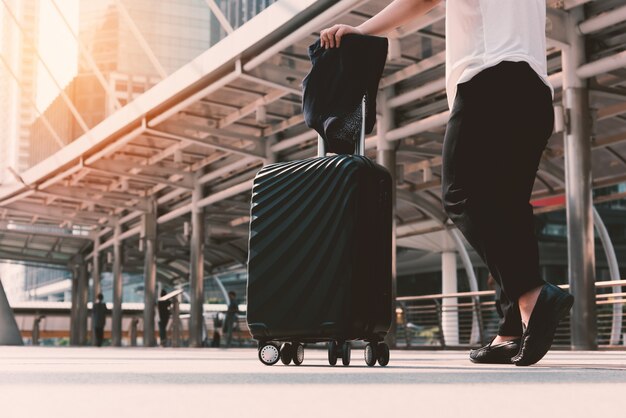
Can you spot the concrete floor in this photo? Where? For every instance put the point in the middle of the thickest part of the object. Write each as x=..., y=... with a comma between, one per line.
x=136, y=382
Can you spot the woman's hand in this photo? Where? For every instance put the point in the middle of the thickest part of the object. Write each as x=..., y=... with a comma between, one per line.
x=331, y=37
x=397, y=13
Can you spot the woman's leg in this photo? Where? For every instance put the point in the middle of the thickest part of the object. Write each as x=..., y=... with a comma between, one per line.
x=498, y=129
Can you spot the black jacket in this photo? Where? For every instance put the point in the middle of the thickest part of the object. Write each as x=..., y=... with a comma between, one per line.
x=164, y=307
x=99, y=314
x=335, y=86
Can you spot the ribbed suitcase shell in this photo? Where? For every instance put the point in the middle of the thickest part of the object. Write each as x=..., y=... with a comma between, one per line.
x=319, y=263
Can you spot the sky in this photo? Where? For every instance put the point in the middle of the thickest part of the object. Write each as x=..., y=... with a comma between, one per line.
x=57, y=47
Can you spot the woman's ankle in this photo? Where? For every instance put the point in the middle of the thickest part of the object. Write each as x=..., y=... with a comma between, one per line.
x=503, y=338
x=527, y=303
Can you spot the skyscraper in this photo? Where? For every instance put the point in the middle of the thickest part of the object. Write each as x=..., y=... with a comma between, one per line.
x=17, y=48
x=237, y=12
x=174, y=32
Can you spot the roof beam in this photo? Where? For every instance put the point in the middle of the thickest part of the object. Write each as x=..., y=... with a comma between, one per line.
x=251, y=108
x=122, y=200
x=209, y=142
x=199, y=124
x=46, y=231
x=608, y=140
x=611, y=111
x=284, y=125
x=119, y=168
x=272, y=84
x=21, y=248
x=60, y=214
x=11, y=256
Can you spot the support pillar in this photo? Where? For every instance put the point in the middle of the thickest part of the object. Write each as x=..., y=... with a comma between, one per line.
x=74, y=308
x=82, y=299
x=578, y=182
x=449, y=306
x=386, y=156
x=149, y=230
x=176, y=325
x=196, y=269
x=9, y=331
x=611, y=259
x=270, y=156
x=95, y=277
x=116, y=317
x=477, y=335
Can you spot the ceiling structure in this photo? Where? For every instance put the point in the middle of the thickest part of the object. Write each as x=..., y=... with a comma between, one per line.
x=218, y=119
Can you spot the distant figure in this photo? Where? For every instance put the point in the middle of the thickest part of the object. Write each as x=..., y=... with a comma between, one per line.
x=164, y=317
x=231, y=317
x=217, y=324
x=99, y=317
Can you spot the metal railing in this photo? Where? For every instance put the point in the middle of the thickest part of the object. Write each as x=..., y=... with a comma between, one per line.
x=437, y=321
x=470, y=319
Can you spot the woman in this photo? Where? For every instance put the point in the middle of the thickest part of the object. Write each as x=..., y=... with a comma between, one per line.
x=501, y=119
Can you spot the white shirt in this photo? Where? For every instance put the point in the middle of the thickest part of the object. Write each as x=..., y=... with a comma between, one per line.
x=483, y=33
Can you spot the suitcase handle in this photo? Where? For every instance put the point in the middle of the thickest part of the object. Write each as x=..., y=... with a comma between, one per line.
x=360, y=146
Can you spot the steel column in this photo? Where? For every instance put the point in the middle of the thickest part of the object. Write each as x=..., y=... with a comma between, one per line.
x=196, y=267
x=81, y=300
x=176, y=325
x=578, y=183
x=95, y=277
x=116, y=327
x=74, y=307
x=149, y=237
x=386, y=156
x=449, y=306
x=611, y=258
x=477, y=327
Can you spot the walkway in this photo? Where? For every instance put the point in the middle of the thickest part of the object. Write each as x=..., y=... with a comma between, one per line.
x=79, y=382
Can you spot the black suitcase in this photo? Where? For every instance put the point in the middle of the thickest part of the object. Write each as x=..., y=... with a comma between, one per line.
x=319, y=266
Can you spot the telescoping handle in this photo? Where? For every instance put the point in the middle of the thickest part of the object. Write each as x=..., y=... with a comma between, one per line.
x=360, y=146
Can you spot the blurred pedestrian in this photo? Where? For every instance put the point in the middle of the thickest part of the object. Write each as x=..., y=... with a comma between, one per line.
x=99, y=316
x=231, y=319
x=164, y=308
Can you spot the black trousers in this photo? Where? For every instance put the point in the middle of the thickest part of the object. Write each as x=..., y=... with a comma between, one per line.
x=499, y=126
x=163, y=331
x=99, y=336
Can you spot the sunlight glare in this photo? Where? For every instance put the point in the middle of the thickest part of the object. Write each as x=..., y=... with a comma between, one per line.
x=57, y=47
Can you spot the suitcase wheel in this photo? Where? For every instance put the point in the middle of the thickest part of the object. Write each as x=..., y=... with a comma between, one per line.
x=269, y=354
x=286, y=353
x=383, y=354
x=332, y=352
x=346, y=350
x=298, y=354
x=376, y=352
x=371, y=354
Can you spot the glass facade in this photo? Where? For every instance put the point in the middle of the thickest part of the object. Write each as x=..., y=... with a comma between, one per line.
x=237, y=12
x=175, y=31
x=16, y=110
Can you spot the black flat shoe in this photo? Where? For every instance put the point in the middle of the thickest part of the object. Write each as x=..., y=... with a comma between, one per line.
x=552, y=306
x=496, y=354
